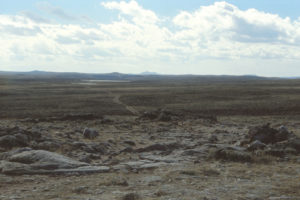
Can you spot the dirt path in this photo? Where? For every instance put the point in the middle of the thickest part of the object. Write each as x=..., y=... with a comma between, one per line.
x=117, y=100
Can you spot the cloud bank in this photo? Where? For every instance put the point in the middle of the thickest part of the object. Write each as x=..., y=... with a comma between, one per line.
x=216, y=39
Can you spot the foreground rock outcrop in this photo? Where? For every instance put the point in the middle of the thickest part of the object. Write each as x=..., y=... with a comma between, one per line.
x=44, y=162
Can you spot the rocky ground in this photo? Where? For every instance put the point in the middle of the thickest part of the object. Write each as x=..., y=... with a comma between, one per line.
x=156, y=155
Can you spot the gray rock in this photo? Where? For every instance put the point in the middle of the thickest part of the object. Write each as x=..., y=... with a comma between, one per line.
x=41, y=156
x=131, y=196
x=256, y=145
x=44, y=162
x=6, y=155
x=268, y=135
x=8, y=141
x=84, y=170
x=151, y=180
x=46, y=145
x=22, y=139
x=14, y=168
x=90, y=133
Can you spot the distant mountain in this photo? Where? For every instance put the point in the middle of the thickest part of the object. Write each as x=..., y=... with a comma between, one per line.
x=145, y=76
x=149, y=73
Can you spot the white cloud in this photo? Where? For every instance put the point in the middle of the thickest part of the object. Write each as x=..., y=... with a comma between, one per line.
x=140, y=41
x=133, y=9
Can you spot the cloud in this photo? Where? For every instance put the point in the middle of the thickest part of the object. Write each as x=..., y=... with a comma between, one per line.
x=134, y=10
x=66, y=40
x=225, y=30
x=34, y=17
x=20, y=31
x=56, y=11
x=219, y=33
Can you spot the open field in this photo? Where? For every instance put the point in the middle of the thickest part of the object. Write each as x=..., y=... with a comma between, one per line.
x=54, y=97
x=180, y=138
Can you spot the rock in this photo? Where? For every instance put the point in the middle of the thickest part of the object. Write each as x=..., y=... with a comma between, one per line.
x=86, y=159
x=138, y=165
x=8, y=141
x=129, y=142
x=151, y=115
x=151, y=180
x=172, y=158
x=17, y=137
x=16, y=140
x=100, y=148
x=44, y=162
x=143, y=164
x=294, y=143
x=213, y=139
x=282, y=128
x=131, y=196
x=89, y=157
x=117, y=181
x=230, y=154
x=256, y=145
x=41, y=156
x=80, y=190
x=13, y=168
x=268, y=135
x=164, y=116
x=83, y=170
x=152, y=165
x=159, y=147
x=279, y=142
x=106, y=120
x=127, y=150
x=6, y=155
x=78, y=145
x=22, y=139
x=90, y=133
x=46, y=145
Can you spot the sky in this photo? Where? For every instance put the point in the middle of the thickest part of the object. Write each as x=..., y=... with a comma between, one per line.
x=234, y=37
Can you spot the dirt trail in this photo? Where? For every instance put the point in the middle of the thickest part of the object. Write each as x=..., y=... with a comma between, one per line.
x=117, y=100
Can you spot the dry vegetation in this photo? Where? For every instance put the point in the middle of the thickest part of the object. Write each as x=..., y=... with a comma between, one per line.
x=169, y=156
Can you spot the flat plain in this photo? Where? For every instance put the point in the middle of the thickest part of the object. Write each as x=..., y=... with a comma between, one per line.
x=157, y=137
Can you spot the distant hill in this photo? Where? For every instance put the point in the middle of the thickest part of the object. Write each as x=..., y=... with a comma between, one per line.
x=145, y=76
x=149, y=73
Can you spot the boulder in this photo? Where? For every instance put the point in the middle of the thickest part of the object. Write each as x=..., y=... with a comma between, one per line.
x=8, y=141
x=41, y=156
x=268, y=135
x=44, y=162
x=256, y=145
x=90, y=133
x=280, y=142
